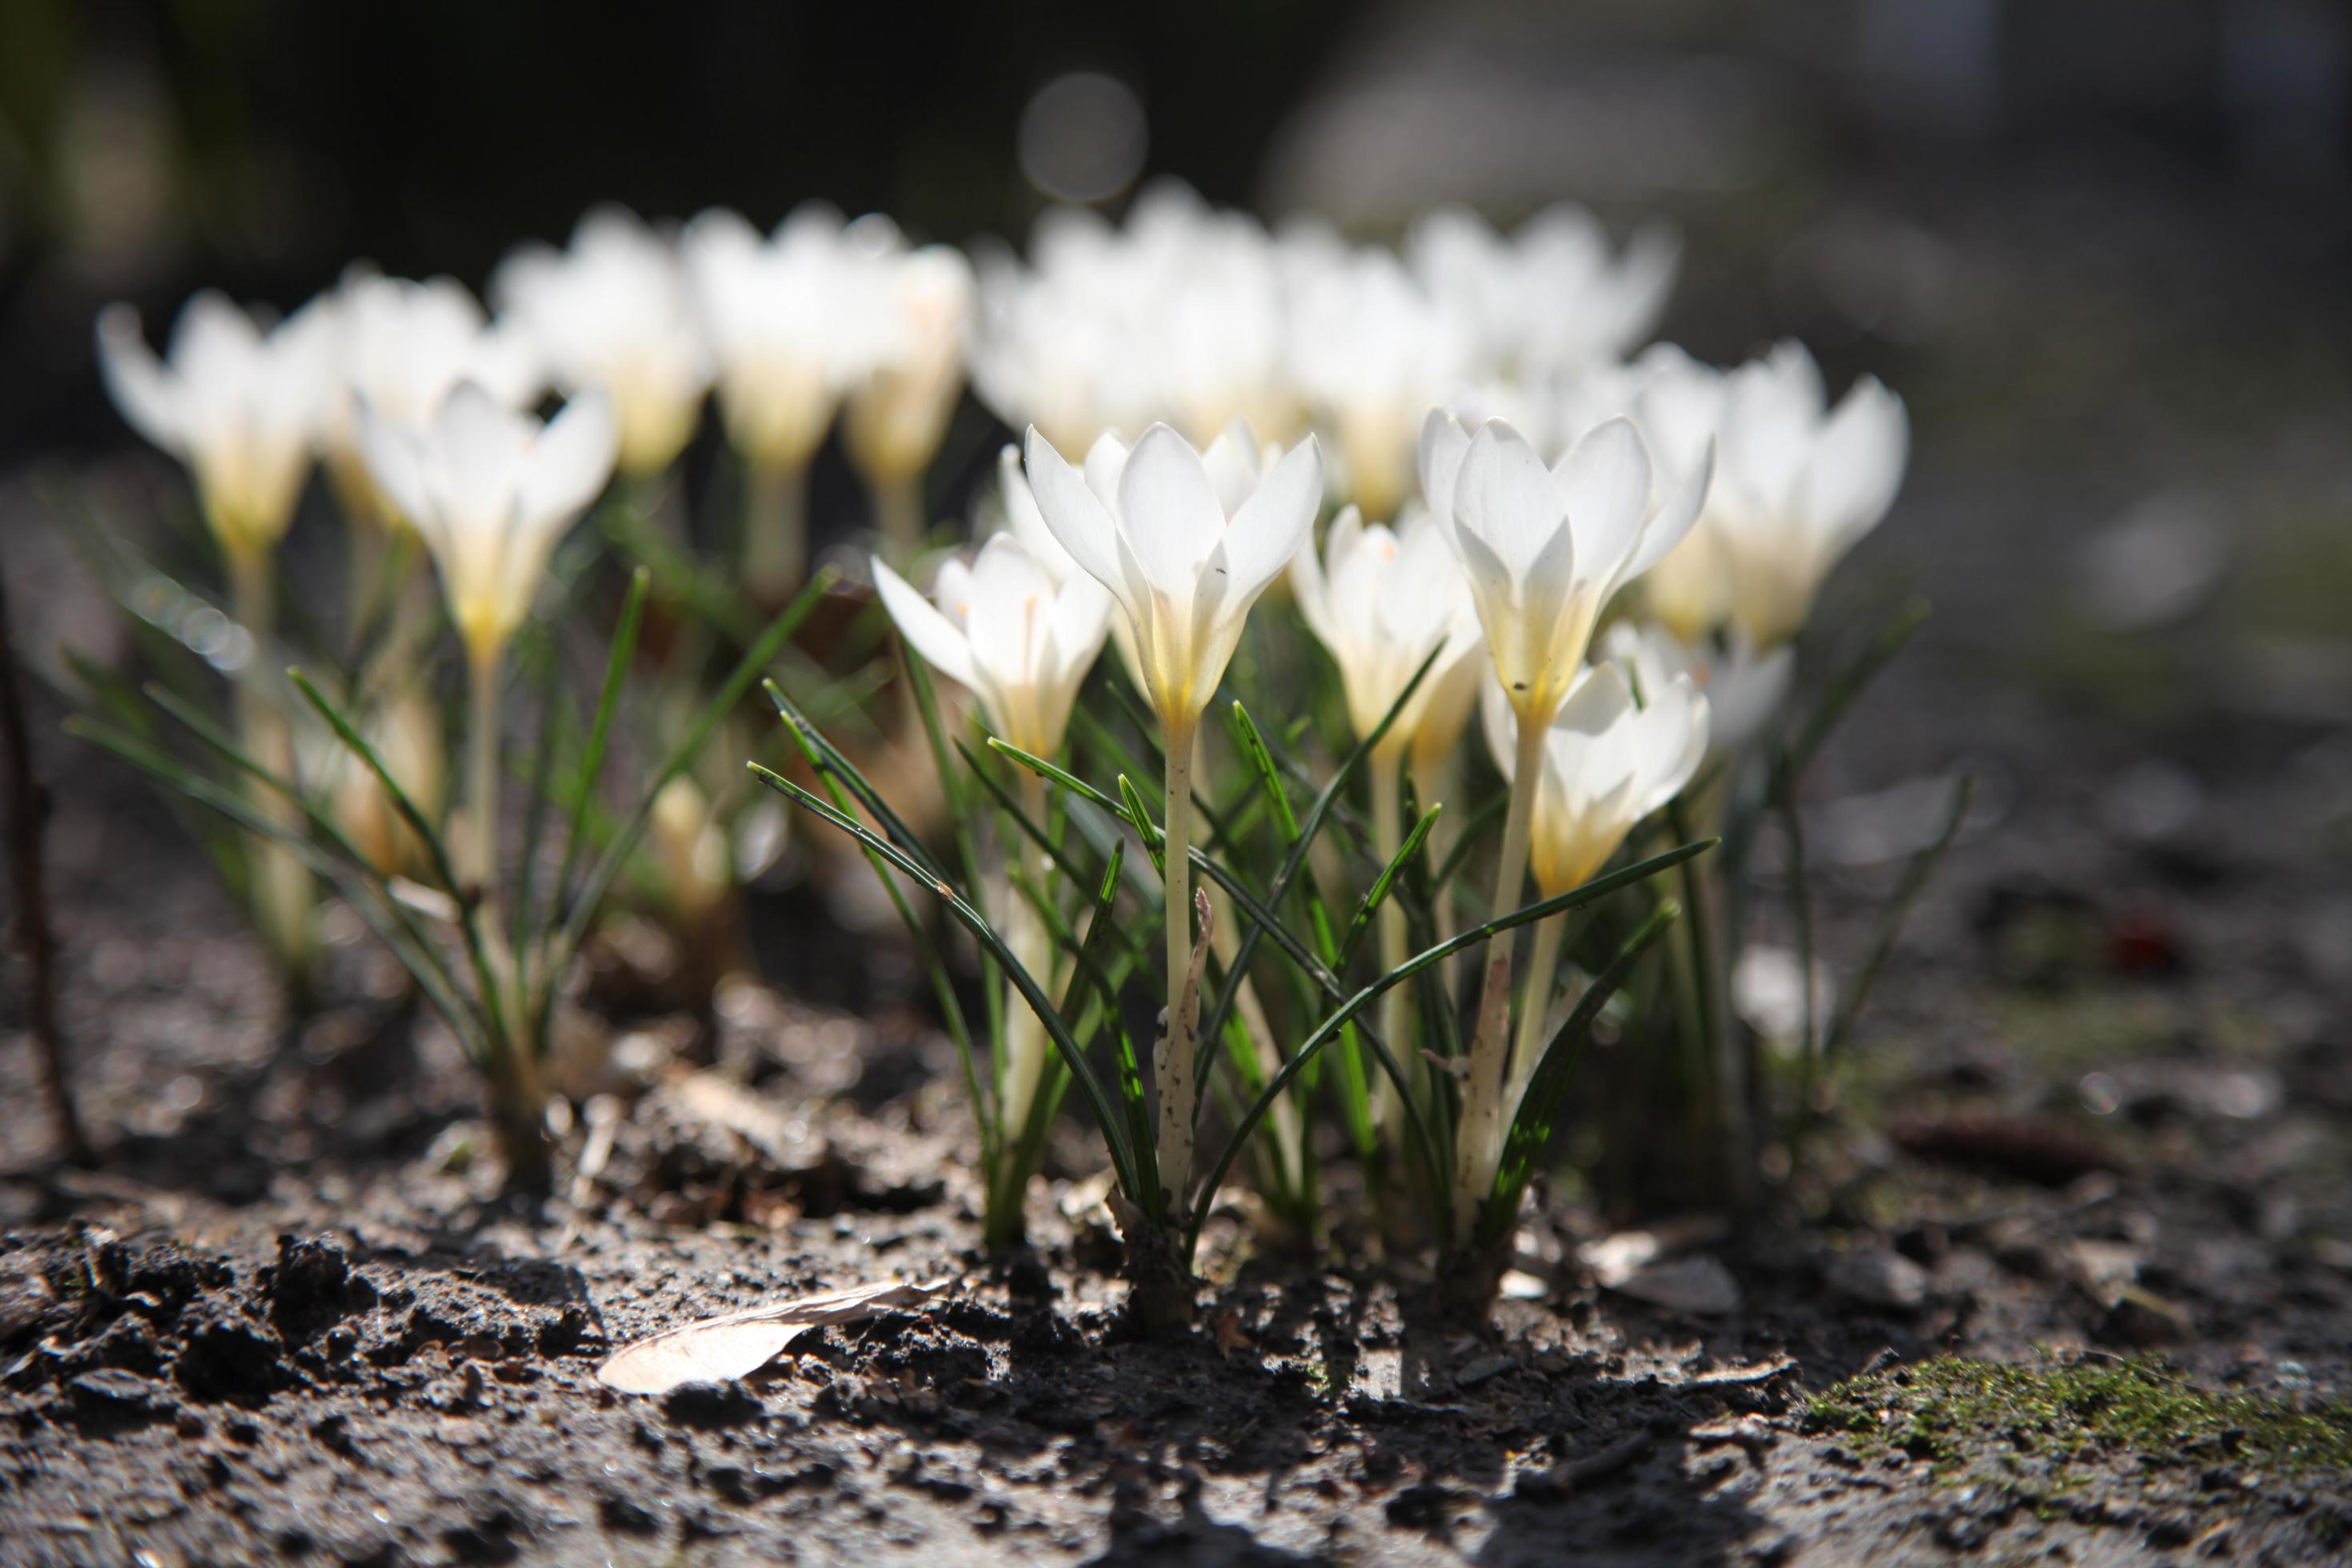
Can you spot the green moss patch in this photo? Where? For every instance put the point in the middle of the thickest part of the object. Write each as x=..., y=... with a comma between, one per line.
x=2050, y=1419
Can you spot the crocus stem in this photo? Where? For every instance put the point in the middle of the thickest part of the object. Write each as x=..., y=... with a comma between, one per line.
x=1387, y=835
x=775, y=529
x=1173, y=1066
x=281, y=887
x=1024, y=1033
x=1429, y=787
x=1479, y=1140
x=898, y=514
x=1535, y=1009
x=480, y=862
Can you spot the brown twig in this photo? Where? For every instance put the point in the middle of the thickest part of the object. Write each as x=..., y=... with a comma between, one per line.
x=28, y=809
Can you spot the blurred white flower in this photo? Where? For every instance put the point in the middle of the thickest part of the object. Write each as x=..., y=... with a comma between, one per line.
x=916, y=308
x=1798, y=484
x=1178, y=317
x=1607, y=761
x=1184, y=555
x=402, y=347
x=614, y=312
x=1006, y=629
x=1551, y=297
x=1745, y=688
x=242, y=408
x=1676, y=404
x=1545, y=548
x=774, y=309
x=1382, y=601
x=490, y=492
x=1371, y=352
x=1794, y=486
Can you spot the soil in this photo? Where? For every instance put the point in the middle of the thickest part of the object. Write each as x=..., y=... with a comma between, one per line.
x=2099, y=1112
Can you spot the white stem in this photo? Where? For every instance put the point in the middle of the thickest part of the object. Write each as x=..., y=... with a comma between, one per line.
x=1479, y=1142
x=479, y=853
x=1431, y=778
x=1388, y=835
x=1535, y=1011
x=1024, y=1031
x=1173, y=1067
x=281, y=885
x=898, y=514
x=775, y=529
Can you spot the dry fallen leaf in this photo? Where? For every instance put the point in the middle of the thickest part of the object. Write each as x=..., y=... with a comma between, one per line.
x=1227, y=1326
x=722, y=1349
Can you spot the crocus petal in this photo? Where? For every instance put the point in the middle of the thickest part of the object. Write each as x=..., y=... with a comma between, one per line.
x=1504, y=495
x=1276, y=522
x=1443, y=444
x=928, y=632
x=1169, y=513
x=142, y=389
x=1857, y=465
x=1076, y=517
x=1675, y=519
x=1605, y=483
x=392, y=461
x=572, y=460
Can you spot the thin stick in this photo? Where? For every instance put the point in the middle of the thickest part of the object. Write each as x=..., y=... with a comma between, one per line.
x=28, y=809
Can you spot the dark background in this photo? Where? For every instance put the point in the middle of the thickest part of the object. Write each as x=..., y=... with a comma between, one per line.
x=2101, y=246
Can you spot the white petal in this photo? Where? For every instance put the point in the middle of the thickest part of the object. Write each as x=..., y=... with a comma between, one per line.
x=1276, y=522
x=1856, y=466
x=1169, y=513
x=1501, y=723
x=1504, y=495
x=1675, y=519
x=569, y=465
x=1443, y=444
x=1605, y=483
x=390, y=452
x=1077, y=518
x=927, y=631
x=142, y=388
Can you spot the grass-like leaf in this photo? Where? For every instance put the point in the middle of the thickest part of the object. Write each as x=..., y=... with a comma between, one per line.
x=1916, y=877
x=1547, y=1090
x=1340, y=1017
x=1106, y=1116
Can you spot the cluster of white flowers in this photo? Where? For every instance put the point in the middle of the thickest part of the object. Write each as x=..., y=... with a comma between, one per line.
x=1197, y=316
x=1561, y=486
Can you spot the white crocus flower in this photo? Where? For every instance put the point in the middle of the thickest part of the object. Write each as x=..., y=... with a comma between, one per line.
x=490, y=492
x=1186, y=565
x=786, y=344
x=1178, y=316
x=241, y=407
x=1381, y=601
x=1609, y=760
x=1550, y=298
x=403, y=349
x=1745, y=688
x=1020, y=639
x=772, y=310
x=1004, y=628
x=1544, y=550
x=918, y=307
x=1801, y=483
x=1370, y=351
x=614, y=312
